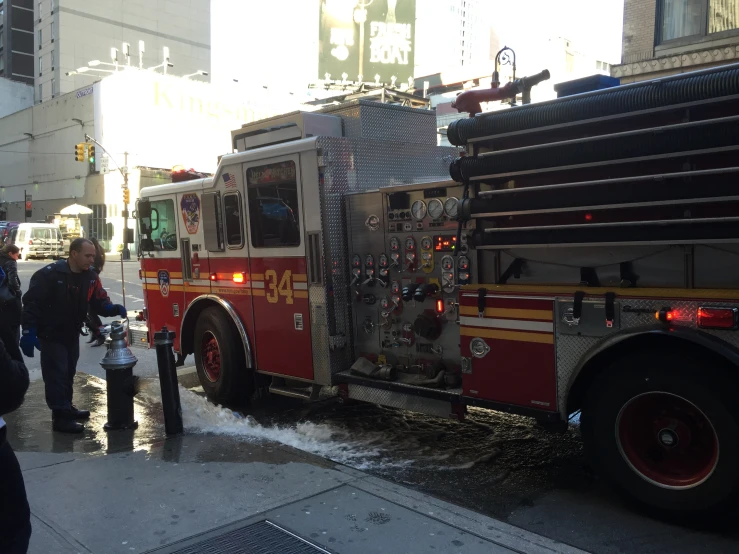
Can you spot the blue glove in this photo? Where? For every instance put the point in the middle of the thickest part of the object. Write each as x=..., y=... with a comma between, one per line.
x=29, y=340
x=112, y=310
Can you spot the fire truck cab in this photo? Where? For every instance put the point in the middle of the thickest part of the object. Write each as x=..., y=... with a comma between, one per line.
x=582, y=257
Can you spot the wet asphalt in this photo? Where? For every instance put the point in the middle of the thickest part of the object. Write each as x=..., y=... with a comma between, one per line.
x=498, y=464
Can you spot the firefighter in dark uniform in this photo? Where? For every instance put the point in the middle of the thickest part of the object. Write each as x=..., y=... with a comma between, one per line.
x=54, y=310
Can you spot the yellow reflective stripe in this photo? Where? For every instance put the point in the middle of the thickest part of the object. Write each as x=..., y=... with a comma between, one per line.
x=517, y=336
x=300, y=278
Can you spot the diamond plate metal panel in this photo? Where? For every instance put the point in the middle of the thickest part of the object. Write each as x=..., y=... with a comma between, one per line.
x=260, y=538
x=438, y=408
x=571, y=348
x=372, y=120
x=358, y=166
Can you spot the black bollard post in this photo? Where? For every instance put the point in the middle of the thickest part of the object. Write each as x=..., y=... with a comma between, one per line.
x=163, y=341
x=118, y=363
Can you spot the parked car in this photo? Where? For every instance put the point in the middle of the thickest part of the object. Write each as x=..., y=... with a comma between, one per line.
x=38, y=240
x=5, y=228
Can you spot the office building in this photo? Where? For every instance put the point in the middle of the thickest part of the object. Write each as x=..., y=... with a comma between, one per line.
x=69, y=34
x=16, y=40
x=664, y=37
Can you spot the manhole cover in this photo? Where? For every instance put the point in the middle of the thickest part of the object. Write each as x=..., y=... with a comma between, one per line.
x=259, y=538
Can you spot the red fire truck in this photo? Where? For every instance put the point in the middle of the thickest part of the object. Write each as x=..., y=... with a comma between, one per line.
x=583, y=257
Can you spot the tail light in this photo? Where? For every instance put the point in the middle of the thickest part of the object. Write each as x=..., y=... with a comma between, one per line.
x=665, y=315
x=718, y=318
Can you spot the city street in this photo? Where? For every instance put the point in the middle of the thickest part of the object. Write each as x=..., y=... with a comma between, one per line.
x=499, y=465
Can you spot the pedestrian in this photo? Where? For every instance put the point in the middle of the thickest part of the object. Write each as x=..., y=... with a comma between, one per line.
x=54, y=310
x=15, y=515
x=94, y=323
x=10, y=299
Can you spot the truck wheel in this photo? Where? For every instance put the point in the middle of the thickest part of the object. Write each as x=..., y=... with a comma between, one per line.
x=219, y=359
x=665, y=429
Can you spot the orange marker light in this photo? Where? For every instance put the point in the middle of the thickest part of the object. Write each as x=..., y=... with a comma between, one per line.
x=440, y=306
x=213, y=277
x=238, y=278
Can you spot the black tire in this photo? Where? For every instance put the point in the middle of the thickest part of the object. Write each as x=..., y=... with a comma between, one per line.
x=680, y=459
x=233, y=384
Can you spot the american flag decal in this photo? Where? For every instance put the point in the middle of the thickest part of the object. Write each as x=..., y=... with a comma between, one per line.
x=229, y=180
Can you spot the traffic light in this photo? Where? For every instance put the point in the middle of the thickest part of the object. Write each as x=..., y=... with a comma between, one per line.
x=126, y=196
x=79, y=152
x=91, y=153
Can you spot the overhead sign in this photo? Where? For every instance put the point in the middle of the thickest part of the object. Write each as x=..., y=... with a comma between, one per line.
x=367, y=40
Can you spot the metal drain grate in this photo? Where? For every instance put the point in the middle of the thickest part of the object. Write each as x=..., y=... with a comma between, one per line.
x=259, y=538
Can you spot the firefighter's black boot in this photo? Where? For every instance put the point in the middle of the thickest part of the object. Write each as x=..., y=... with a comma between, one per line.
x=79, y=414
x=63, y=422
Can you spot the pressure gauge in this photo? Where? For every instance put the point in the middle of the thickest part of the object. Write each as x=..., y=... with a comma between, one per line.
x=394, y=243
x=447, y=264
x=395, y=287
x=410, y=256
x=395, y=257
x=435, y=208
x=382, y=260
x=369, y=260
x=356, y=261
x=426, y=243
x=463, y=263
x=384, y=303
x=410, y=243
x=426, y=256
x=451, y=207
x=418, y=210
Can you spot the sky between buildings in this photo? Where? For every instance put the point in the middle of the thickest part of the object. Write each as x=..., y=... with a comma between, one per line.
x=275, y=43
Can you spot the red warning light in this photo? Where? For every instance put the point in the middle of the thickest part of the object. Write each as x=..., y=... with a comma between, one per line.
x=213, y=277
x=665, y=315
x=718, y=318
x=440, y=306
x=588, y=217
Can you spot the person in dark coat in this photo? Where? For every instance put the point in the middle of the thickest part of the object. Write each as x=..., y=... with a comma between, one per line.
x=10, y=312
x=54, y=310
x=93, y=320
x=15, y=514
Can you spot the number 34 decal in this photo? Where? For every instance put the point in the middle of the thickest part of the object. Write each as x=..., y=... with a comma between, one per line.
x=275, y=290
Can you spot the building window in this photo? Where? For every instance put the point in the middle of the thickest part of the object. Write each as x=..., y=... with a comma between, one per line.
x=97, y=225
x=40, y=65
x=53, y=87
x=41, y=92
x=40, y=9
x=697, y=18
x=40, y=38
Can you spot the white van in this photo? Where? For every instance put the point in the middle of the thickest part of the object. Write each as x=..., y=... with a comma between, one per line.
x=38, y=240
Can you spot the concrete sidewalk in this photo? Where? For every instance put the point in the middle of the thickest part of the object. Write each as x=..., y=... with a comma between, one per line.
x=143, y=492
